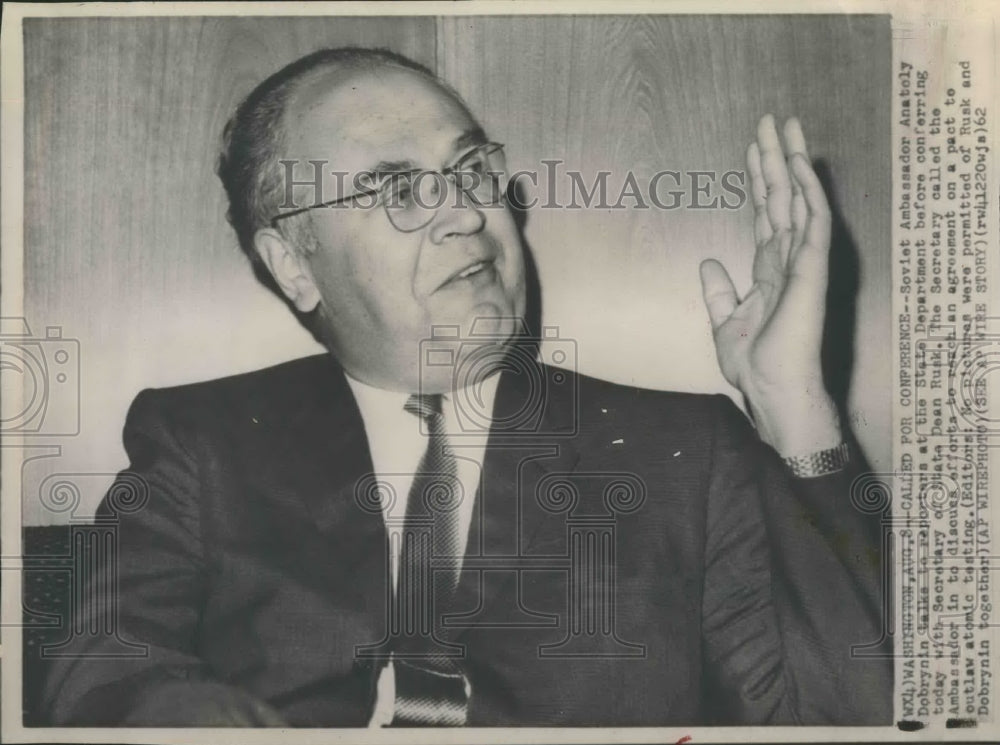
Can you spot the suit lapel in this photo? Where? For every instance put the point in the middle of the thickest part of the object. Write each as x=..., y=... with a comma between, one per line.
x=316, y=439
x=534, y=420
x=315, y=447
x=322, y=454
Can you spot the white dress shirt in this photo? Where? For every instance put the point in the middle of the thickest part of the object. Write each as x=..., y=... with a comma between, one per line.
x=397, y=443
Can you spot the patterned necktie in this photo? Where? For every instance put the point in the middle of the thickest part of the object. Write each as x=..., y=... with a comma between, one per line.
x=431, y=690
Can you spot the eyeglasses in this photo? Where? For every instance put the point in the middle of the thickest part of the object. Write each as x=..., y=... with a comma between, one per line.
x=412, y=198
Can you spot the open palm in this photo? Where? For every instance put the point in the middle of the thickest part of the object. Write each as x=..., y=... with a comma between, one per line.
x=770, y=340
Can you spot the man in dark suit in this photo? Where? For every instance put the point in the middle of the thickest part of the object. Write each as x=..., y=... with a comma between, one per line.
x=368, y=537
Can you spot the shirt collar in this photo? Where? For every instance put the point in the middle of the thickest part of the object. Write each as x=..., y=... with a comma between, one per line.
x=466, y=410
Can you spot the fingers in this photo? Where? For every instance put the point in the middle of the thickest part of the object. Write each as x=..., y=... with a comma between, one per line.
x=758, y=193
x=804, y=293
x=718, y=291
x=795, y=142
x=799, y=213
x=816, y=230
x=786, y=193
x=775, y=172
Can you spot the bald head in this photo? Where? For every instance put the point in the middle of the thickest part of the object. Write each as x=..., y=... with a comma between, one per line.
x=254, y=137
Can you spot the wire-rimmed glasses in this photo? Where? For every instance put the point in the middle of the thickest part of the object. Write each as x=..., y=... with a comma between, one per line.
x=412, y=198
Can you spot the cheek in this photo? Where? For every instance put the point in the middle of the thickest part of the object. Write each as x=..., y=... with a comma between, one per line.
x=333, y=271
x=506, y=234
x=369, y=268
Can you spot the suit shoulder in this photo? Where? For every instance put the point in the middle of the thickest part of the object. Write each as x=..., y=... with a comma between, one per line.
x=268, y=389
x=606, y=394
x=603, y=409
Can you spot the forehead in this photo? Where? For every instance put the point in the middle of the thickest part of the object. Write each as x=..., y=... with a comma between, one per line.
x=362, y=118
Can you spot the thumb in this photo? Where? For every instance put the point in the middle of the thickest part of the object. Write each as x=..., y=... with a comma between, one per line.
x=718, y=291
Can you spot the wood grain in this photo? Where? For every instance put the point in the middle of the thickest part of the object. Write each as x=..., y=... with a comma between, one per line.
x=641, y=93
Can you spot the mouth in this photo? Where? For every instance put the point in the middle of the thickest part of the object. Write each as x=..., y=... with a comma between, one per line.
x=469, y=272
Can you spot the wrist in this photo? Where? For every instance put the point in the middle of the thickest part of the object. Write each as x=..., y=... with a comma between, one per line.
x=796, y=422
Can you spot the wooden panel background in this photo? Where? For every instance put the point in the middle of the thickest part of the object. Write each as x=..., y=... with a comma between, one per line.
x=685, y=93
x=127, y=249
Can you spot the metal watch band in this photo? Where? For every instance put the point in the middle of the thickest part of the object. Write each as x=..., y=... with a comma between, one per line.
x=819, y=463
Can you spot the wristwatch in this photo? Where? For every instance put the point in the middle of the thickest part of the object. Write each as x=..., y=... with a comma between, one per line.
x=819, y=463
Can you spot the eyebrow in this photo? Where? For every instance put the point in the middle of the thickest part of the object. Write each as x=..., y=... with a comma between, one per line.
x=475, y=136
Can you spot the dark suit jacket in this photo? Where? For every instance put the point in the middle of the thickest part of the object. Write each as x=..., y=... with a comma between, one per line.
x=735, y=592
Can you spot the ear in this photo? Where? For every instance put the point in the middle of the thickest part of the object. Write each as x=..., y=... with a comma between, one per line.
x=289, y=268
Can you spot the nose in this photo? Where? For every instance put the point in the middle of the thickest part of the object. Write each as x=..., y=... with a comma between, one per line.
x=458, y=216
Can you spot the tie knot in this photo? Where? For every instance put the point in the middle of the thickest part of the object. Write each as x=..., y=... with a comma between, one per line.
x=424, y=405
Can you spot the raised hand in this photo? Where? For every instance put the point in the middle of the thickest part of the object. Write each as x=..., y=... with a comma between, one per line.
x=768, y=343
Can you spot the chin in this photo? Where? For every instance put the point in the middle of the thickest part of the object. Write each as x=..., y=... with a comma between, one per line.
x=490, y=313
x=463, y=352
